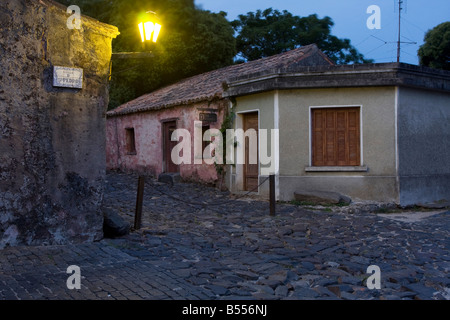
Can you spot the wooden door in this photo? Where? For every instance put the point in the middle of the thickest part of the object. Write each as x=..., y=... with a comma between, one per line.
x=168, y=145
x=251, y=171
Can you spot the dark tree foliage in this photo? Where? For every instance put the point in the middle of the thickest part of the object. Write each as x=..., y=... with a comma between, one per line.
x=192, y=41
x=268, y=32
x=435, y=52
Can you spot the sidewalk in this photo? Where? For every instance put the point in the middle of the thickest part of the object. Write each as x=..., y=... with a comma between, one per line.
x=232, y=249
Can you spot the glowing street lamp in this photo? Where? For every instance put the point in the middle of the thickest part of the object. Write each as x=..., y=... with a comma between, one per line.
x=150, y=30
x=148, y=27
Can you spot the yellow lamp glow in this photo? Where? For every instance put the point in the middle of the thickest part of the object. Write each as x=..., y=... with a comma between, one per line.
x=149, y=28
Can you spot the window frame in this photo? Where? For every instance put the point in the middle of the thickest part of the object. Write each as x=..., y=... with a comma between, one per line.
x=130, y=141
x=335, y=168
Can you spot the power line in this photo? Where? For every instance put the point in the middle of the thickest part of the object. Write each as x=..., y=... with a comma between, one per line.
x=375, y=32
x=412, y=41
x=410, y=54
x=377, y=48
x=385, y=42
x=399, y=41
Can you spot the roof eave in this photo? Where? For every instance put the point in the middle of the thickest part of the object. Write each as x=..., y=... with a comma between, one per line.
x=181, y=103
x=368, y=75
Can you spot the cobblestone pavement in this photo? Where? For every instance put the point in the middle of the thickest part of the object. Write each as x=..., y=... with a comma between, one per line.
x=232, y=249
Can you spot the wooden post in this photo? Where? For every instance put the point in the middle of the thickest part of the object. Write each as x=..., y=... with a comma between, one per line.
x=272, y=194
x=139, y=200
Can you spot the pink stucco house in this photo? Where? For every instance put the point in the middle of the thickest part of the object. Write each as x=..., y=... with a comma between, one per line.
x=139, y=132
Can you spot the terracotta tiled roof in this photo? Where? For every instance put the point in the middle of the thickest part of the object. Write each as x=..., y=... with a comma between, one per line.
x=207, y=86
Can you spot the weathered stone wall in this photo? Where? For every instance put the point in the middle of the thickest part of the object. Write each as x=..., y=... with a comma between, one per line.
x=52, y=140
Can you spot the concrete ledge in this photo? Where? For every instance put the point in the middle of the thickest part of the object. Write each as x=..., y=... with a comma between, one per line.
x=358, y=188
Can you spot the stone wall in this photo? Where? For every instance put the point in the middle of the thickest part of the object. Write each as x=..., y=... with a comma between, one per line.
x=52, y=140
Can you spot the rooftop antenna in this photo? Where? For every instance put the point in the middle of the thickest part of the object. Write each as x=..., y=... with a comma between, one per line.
x=400, y=2
x=399, y=42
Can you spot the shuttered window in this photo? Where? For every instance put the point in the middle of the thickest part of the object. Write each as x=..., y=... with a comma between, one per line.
x=130, y=141
x=336, y=137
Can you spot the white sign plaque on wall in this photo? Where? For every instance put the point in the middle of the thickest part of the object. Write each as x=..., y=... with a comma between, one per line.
x=68, y=77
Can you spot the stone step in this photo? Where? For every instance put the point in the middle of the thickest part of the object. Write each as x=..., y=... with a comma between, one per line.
x=170, y=178
x=321, y=197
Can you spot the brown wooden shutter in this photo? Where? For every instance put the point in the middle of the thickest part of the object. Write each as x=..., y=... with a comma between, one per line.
x=330, y=137
x=336, y=137
x=318, y=137
x=354, y=156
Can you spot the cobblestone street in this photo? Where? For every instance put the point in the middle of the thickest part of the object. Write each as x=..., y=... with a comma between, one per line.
x=207, y=245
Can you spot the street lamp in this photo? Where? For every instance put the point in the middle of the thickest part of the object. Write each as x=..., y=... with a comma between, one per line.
x=149, y=28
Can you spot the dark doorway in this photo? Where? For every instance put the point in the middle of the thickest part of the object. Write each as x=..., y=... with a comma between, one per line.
x=251, y=171
x=168, y=145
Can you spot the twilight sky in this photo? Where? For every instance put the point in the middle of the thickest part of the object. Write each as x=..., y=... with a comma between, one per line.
x=350, y=21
